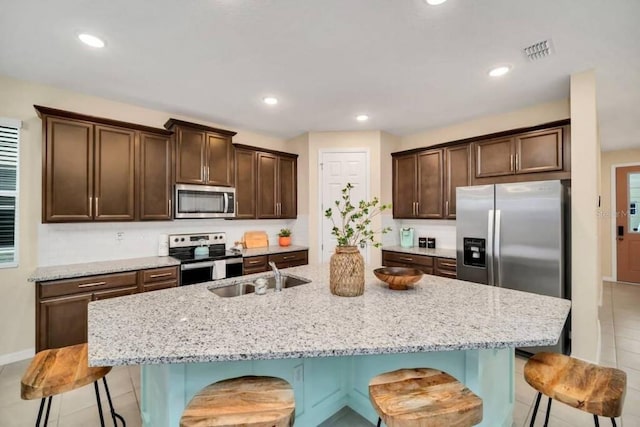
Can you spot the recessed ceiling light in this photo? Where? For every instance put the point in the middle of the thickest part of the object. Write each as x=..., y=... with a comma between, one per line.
x=362, y=117
x=270, y=100
x=499, y=71
x=91, y=40
x=435, y=2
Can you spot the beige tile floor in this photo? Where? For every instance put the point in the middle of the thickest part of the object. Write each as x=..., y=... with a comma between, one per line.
x=619, y=317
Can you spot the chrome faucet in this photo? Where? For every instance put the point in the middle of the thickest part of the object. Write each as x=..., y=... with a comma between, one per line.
x=277, y=275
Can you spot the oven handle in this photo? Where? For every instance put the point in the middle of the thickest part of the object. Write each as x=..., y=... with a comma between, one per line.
x=196, y=265
x=237, y=260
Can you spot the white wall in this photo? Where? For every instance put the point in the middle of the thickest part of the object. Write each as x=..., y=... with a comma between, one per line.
x=77, y=242
x=585, y=238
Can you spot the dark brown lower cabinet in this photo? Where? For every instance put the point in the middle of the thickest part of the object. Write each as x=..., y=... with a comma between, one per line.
x=260, y=264
x=400, y=259
x=61, y=305
x=444, y=267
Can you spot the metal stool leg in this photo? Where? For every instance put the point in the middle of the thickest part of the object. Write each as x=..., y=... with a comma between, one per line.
x=95, y=385
x=46, y=417
x=114, y=414
x=613, y=422
x=535, y=409
x=595, y=420
x=546, y=418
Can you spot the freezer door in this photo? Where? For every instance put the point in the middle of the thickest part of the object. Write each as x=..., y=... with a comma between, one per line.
x=529, y=237
x=474, y=237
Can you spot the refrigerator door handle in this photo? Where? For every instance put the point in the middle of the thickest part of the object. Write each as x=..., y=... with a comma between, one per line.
x=490, y=248
x=497, y=250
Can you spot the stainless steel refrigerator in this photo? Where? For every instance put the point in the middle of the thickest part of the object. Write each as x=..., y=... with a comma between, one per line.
x=516, y=236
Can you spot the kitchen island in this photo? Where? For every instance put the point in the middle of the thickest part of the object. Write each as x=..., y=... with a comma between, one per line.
x=327, y=347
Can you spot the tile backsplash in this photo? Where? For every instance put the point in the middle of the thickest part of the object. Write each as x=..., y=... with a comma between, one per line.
x=86, y=242
x=444, y=231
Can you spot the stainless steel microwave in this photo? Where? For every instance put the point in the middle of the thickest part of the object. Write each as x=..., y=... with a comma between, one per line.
x=203, y=201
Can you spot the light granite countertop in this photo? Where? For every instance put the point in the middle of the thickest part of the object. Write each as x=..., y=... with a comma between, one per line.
x=436, y=252
x=191, y=324
x=272, y=250
x=56, y=272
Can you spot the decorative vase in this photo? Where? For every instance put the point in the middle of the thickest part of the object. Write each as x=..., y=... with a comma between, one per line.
x=284, y=241
x=346, y=272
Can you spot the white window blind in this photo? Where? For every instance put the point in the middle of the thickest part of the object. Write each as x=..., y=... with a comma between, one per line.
x=9, y=160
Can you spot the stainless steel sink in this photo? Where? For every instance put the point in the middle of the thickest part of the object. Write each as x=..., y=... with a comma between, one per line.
x=242, y=288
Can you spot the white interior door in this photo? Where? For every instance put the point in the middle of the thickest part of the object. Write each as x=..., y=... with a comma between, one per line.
x=337, y=168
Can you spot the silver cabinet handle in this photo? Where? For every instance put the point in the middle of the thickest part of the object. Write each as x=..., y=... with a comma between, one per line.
x=417, y=208
x=97, y=211
x=169, y=207
x=90, y=285
x=90, y=207
x=517, y=162
x=511, y=162
x=406, y=259
x=446, y=208
x=155, y=276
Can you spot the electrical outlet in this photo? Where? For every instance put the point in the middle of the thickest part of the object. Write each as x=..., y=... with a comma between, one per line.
x=119, y=235
x=298, y=374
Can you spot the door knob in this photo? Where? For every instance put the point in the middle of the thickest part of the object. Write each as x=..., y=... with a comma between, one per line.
x=621, y=232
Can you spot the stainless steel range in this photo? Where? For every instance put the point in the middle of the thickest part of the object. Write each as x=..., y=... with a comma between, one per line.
x=203, y=257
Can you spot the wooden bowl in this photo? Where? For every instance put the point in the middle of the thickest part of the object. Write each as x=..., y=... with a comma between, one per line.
x=398, y=278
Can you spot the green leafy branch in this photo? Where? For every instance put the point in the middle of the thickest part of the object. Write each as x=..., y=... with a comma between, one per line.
x=354, y=226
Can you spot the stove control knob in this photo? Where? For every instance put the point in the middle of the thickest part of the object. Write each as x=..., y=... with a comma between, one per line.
x=182, y=240
x=176, y=239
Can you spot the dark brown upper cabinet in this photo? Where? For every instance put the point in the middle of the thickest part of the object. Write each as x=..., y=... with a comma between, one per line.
x=204, y=155
x=266, y=183
x=245, y=171
x=418, y=185
x=525, y=153
x=94, y=169
x=457, y=173
x=155, y=177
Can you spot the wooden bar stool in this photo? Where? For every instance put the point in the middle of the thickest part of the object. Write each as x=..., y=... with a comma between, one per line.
x=591, y=388
x=63, y=369
x=423, y=397
x=244, y=401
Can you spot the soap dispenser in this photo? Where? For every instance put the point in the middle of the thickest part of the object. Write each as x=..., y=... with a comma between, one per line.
x=406, y=237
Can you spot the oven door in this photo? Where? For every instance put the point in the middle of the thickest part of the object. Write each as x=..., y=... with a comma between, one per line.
x=233, y=267
x=197, y=272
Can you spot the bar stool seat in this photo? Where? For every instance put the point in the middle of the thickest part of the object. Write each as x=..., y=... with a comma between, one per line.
x=591, y=388
x=245, y=401
x=59, y=370
x=423, y=397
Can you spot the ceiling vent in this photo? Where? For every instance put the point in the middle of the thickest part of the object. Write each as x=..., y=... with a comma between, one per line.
x=538, y=50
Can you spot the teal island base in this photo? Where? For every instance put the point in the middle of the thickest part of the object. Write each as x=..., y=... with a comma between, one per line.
x=324, y=385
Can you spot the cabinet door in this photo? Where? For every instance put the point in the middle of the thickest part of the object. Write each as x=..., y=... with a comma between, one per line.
x=68, y=175
x=430, y=184
x=267, y=192
x=219, y=160
x=245, y=172
x=457, y=174
x=114, y=174
x=154, y=177
x=494, y=157
x=404, y=186
x=287, y=188
x=62, y=321
x=539, y=151
x=190, y=156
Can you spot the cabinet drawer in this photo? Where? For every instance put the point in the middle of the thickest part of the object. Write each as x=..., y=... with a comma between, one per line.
x=159, y=274
x=446, y=264
x=448, y=273
x=155, y=286
x=406, y=258
x=254, y=262
x=290, y=258
x=254, y=269
x=56, y=288
x=423, y=268
x=113, y=293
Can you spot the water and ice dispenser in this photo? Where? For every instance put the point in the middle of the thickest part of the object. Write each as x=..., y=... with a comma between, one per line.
x=475, y=254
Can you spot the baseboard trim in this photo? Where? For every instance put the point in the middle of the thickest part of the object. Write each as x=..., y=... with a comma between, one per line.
x=608, y=279
x=5, y=359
